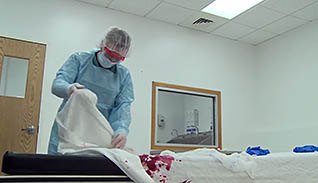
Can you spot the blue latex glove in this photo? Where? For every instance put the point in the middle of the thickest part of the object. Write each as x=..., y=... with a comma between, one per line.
x=257, y=151
x=306, y=148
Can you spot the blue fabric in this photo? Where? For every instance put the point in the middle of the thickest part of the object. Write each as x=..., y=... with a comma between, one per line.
x=257, y=151
x=306, y=148
x=113, y=87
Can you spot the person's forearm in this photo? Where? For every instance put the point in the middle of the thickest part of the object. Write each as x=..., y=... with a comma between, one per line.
x=60, y=88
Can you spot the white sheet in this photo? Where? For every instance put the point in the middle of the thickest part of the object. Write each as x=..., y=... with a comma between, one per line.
x=210, y=166
x=287, y=167
x=81, y=125
x=84, y=130
x=204, y=165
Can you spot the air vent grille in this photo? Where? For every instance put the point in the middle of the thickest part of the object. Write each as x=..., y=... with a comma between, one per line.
x=202, y=21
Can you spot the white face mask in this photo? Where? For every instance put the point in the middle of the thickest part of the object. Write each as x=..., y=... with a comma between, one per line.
x=104, y=61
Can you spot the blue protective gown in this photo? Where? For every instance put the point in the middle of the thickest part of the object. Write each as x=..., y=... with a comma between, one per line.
x=113, y=87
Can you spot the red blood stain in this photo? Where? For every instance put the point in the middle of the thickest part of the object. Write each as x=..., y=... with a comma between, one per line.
x=153, y=163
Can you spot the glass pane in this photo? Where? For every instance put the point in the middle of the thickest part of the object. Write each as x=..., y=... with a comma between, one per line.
x=14, y=77
x=185, y=118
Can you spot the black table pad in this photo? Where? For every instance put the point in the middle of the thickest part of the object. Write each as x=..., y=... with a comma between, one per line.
x=44, y=164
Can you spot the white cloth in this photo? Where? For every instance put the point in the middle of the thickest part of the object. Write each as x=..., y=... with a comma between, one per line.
x=287, y=167
x=207, y=165
x=81, y=125
x=84, y=130
x=128, y=162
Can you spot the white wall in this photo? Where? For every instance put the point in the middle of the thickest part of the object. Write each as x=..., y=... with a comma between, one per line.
x=170, y=105
x=161, y=52
x=287, y=90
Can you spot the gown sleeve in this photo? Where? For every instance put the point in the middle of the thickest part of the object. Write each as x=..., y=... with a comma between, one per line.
x=65, y=77
x=120, y=116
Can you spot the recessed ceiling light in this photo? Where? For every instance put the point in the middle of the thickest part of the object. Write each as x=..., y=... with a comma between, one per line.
x=229, y=8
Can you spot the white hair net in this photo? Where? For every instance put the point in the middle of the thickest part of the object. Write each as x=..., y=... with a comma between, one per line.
x=117, y=40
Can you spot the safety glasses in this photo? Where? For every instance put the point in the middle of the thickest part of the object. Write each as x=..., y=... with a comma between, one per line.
x=117, y=56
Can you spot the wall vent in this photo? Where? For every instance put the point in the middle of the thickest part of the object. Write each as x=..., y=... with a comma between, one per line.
x=202, y=21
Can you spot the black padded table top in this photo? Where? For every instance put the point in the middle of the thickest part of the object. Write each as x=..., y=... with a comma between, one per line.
x=65, y=178
x=44, y=164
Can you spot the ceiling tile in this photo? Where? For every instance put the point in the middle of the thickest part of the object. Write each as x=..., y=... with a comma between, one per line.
x=287, y=6
x=102, y=3
x=137, y=7
x=269, y=18
x=170, y=13
x=284, y=25
x=233, y=30
x=191, y=4
x=217, y=21
x=257, y=37
x=258, y=17
x=308, y=13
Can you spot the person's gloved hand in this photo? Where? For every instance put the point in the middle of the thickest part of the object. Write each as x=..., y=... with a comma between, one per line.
x=119, y=141
x=74, y=87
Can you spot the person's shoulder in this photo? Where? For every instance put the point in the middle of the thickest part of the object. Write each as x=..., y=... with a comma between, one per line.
x=124, y=73
x=122, y=69
x=84, y=55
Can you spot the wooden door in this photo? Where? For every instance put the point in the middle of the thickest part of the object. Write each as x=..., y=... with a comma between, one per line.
x=19, y=114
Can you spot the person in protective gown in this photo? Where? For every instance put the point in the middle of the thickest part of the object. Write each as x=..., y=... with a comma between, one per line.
x=101, y=72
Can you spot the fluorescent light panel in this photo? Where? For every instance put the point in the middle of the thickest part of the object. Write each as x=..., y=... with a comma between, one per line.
x=229, y=8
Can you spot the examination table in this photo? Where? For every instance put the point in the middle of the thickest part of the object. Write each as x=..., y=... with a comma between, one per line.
x=22, y=167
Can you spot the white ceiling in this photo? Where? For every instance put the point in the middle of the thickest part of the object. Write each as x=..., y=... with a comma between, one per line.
x=264, y=21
